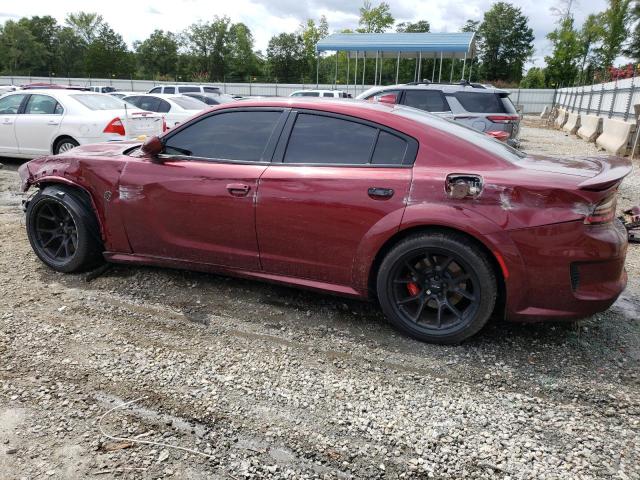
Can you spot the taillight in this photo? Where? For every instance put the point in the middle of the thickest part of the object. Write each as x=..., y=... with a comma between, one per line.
x=498, y=135
x=164, y=125
x=503, y=118
x=115, y=126
x=603, y=212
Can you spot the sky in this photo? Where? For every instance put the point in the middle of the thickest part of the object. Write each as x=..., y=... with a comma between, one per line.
x=136, y=19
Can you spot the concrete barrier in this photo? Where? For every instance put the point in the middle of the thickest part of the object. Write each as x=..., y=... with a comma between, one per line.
x=590, y=127
x=545, y=112
x=615, y=136
x=572, y=124
x=561, y=119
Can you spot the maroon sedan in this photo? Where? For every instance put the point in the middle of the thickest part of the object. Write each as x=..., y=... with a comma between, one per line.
x=441, y=224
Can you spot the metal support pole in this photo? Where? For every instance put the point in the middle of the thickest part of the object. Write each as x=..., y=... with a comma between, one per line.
x=381, y=65
x=335, y=77
x=348, y=72
x=451, y=75
x=397, y=68
x=433, y=73
x=355, y=77
x=440, y=74
x=415, y=71
x=420, y=67
x=375, y=74
x=464, y=64
x=317, y=69
x=364, y=67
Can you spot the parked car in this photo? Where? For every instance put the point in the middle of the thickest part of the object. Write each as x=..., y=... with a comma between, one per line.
x=175, y=108
x=51, y=86
x=441, y=223
x=211, y=98
x=101, y=89
x=321, y=93
x=40, y=122
x=173, y=89
x=7, y=88
x=481, y=107
x=121, y=94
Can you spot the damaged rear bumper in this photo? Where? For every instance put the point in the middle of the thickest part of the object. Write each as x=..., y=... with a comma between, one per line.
x=572, y=271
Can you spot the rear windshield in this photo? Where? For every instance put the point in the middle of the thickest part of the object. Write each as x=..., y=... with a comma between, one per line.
x=480, y=102
x=99, y=101
x=186, y=89
x=211, y=89
x=189, y=103
x=469, y=134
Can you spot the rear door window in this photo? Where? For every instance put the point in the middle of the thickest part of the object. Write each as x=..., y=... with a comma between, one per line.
x=232, y=136
x=211, y=89
x=480, y=102
x=169, y=90
x=187, y=89
x=390, y=149
x=329, y=140
x=429, y=100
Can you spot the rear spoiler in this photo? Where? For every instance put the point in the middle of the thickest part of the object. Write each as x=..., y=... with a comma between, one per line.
x=612, y=171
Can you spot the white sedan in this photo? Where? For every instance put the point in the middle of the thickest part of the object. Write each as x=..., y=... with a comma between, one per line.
x=175, y=108
x=41, y=122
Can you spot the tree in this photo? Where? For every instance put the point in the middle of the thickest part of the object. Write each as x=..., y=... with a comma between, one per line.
x=45, y=31
x=375, y=19
x=108, y=55
x=590, y=33
x=242, y=59
x=208, y=43
x=505, y=42
x=471, y=26
x=633, y=49
x=421, y=26
x=311, y=34
x=158, y=54
x=614, y=20
x=285, y=56
x=71, y=53
x=20, y=52
x=535, y=78
x=562, y=65
x=86, y=25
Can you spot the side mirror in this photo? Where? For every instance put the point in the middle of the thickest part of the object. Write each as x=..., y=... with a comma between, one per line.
x=390, y=98
x=152, y=146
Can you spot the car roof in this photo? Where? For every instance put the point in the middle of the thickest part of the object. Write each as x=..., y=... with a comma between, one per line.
x=319, y=90
x=54, y=92
x=443, y=87
x=160, y=95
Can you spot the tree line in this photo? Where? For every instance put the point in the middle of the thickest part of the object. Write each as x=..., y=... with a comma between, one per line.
x=219, y=50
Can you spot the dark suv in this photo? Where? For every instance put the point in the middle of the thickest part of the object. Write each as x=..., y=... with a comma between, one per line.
x=481, y=107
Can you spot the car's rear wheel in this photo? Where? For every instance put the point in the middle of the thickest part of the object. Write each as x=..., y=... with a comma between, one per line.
x=437, y=287
x=62, y=230
x=64, y=145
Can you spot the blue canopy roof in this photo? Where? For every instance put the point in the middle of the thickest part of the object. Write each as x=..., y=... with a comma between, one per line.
x=450, y=44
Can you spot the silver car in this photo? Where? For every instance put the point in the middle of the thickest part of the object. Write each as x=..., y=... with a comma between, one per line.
x=481, y=107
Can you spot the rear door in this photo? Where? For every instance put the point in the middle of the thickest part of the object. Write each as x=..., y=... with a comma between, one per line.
x=9, y=108
x=38, y=124
x=333, y=180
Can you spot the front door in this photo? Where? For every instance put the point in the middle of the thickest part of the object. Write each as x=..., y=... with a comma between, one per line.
x=38, y=124
x=9, y=107
x=337, y=180
x=197, y=201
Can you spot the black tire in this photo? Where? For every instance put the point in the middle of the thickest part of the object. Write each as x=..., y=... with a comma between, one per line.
x=437, y=287
x=64, y=144
x=63, y=230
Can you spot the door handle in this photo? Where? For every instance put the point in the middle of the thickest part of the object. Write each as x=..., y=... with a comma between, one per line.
x=238, y=189
x=378, y=193
x=53, y=122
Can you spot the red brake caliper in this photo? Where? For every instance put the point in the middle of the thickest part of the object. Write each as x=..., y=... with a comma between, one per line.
x=413, y=289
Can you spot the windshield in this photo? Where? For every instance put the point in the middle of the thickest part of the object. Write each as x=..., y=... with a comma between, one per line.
x=189, y=103
x=469, y=134
x=99, y=101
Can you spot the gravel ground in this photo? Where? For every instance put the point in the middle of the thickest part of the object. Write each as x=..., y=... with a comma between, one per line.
x=266, y=381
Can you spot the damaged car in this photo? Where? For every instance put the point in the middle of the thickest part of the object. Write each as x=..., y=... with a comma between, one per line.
x=442, y=226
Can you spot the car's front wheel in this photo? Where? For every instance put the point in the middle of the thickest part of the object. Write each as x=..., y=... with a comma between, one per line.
x=62, y=230
x=437, y=287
